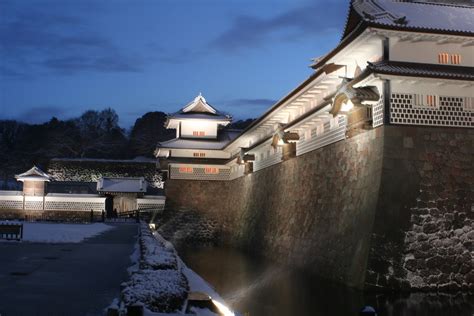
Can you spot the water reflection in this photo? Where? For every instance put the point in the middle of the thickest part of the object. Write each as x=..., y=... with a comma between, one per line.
x=257, y=288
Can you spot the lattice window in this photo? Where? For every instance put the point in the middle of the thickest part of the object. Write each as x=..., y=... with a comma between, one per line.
x=426, y=101
x=450, y=112
x=378, y=112
x=199, y=155
x=468, y=104
x=185, y=170
x=199, y=173
x=199, y=133
x=443, y=58
x=455, y=59
x=211, y=170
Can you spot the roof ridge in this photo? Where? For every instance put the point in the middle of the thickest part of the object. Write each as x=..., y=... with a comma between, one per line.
x=444, y=4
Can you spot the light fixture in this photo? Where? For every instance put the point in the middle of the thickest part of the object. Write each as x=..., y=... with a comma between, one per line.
x=222, y=308
x=347, y=106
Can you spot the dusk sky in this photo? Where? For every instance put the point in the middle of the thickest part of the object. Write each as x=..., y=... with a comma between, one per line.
x=60, y=58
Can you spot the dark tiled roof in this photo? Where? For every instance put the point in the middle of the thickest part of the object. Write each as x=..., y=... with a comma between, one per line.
x=412, y=16
x=422, y=70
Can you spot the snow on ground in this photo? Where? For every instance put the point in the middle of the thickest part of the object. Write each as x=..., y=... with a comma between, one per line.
x=61, y=233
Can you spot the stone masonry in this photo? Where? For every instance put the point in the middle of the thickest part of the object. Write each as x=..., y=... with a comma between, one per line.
x=387, y=209
x=423, y=233
x=314, y=211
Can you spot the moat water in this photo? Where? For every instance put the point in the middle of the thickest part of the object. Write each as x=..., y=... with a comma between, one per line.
x=256, y=287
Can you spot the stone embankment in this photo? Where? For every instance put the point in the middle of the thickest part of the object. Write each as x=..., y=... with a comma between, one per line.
x=187, y=227
x=388, y=209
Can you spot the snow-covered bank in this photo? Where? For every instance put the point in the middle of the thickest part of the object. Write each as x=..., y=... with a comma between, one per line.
x=61, y=233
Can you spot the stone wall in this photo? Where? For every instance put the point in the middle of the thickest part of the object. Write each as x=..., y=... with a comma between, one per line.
x=315, y=211
x=56, y=216
x=390, y=208
x=423, y=234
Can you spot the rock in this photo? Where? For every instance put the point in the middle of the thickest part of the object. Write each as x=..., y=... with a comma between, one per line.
x=458, y=232
x=430, y=228
x=411, y=265
x=422, y=237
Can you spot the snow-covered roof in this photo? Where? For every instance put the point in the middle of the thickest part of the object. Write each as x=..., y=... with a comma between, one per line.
x=199, y=108
x=413, y=15
x=34, y=174
x=224, y=137
x=122, y=185
x=199, y=104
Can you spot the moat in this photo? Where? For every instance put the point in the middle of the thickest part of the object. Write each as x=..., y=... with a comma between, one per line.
x=257, y=287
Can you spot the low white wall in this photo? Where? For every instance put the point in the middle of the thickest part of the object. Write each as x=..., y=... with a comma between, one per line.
x=155, y=203
x=14, y=200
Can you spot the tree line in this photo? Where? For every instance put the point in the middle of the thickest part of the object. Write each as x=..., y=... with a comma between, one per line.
x=94, y=134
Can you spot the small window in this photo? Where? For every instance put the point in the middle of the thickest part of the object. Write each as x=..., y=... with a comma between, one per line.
x=431, y=100
x=185, y=170
x=455, y=59
x=211, y=170
x=443, y=58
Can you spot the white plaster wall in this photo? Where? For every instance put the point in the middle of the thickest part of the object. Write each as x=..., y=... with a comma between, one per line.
x=208, y=127
x=427, y=52
x=441, y=88
x=208, y=153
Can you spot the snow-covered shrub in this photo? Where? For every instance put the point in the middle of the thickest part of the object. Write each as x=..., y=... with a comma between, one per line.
x=154, y=254
x=159, y=290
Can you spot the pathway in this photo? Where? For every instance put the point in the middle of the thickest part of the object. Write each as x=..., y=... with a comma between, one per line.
x=65, y=279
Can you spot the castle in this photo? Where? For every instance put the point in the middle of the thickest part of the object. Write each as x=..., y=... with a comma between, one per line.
x=363, y=173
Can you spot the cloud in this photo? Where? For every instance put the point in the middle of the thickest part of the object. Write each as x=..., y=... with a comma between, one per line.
x=307, y=21
x=38, y=39
x=250, y=102
x=73, y=64
x=40, y=114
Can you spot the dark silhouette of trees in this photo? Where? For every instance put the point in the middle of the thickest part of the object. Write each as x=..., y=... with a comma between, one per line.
x=95, y=134
x=147, y=132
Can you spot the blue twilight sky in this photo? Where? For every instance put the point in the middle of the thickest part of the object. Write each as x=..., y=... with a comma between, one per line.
x=62, y=57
